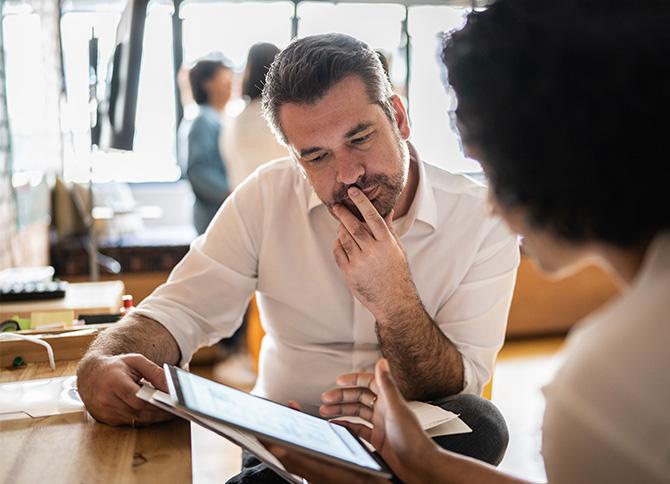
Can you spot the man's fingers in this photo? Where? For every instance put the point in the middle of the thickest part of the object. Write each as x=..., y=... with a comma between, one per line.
x=148, y=370
x=294, y=405
x=347, y=242
x=349, y=395
x=341, y=257
x=389, y=223
x=355, y=227
x=370, y=214
x=355, y=379
x=347, y=409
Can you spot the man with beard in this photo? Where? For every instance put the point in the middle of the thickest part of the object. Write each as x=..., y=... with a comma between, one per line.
x=339, y=242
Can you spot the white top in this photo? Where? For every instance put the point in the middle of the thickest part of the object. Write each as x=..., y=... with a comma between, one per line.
x=247, y=143
x=608, y=409
x=275, y=236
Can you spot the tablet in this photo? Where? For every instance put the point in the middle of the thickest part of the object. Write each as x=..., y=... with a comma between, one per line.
x=272, y=421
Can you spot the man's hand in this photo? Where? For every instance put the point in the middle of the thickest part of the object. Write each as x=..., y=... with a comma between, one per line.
x=355, y=396
x=107, y=386
x=372, y=260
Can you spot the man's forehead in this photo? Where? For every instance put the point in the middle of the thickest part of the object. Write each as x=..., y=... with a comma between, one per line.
x=346, y=101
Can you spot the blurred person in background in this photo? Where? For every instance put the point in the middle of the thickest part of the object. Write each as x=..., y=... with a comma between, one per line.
x=211, y=81
x=247, y=141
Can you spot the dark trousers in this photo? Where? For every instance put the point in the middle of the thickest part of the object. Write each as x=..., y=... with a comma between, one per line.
x=487, y=441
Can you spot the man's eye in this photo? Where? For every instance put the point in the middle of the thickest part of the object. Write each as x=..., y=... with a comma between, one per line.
x=361, y=139
x=321, y=157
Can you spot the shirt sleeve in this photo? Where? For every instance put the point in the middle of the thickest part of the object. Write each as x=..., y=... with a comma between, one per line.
x=205, y=167
x=474, y=317
x=207, y=293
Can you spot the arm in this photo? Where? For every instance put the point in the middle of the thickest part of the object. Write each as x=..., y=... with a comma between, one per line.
x=109, y=374
x=413, y=343
x=206, y=170
x=375, y=267
x=137, y=334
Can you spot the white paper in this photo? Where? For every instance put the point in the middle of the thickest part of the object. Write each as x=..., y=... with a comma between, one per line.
x=39, y=398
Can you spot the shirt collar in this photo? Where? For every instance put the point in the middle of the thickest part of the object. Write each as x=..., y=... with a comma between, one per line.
x=423, y=207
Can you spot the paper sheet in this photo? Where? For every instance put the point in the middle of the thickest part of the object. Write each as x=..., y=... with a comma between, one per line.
x=39, y=398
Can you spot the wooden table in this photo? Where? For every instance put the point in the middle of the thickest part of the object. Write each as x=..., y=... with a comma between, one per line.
x=74, y=448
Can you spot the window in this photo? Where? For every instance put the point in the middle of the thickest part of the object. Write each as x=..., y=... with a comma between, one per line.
x=26, y=89
x=378, y=25
x=154, y=154
x=76, y=30
x=231, y=28
x=430, y=102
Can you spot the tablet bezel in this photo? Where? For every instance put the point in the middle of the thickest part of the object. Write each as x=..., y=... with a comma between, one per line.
x=171, y=373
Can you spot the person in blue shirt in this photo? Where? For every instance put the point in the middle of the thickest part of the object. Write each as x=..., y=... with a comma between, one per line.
x=211, y=82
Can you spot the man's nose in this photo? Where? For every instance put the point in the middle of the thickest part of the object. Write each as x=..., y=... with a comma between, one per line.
x=349, y=170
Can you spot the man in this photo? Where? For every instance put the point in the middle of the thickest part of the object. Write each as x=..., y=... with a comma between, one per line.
x=340, y=243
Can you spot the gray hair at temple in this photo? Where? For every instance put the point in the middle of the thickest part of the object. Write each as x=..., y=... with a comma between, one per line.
x=305, y=70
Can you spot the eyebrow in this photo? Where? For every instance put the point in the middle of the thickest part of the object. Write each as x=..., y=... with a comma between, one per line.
x=352, y=132
x=359, y=127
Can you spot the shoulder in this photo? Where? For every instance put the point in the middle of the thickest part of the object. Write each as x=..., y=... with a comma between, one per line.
x=277, y=177
x=461, y=201
x=453, y=185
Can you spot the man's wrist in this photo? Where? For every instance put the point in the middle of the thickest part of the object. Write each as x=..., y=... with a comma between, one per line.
x=405, y=307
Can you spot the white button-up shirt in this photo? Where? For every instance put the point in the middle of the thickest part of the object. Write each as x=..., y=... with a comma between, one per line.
x=273, y=235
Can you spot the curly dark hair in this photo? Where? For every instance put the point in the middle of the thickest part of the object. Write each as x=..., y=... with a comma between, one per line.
x=568, y=103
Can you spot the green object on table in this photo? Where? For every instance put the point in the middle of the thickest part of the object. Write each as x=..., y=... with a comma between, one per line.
x=24, y=323
x=18, y=362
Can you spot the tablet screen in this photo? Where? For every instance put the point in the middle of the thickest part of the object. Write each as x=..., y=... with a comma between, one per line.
x=271, y=419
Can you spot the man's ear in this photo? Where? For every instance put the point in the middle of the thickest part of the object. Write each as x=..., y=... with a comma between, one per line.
x=400, y=114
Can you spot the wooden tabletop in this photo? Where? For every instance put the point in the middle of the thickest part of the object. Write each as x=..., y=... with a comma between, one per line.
x=74, y=448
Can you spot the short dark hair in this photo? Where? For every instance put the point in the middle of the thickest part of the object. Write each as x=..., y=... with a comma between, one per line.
x=305, y=70
x=568, y=104
x=200, y=73
x=259, y=60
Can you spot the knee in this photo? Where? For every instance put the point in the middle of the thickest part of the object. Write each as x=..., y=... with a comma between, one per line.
x=490, y=436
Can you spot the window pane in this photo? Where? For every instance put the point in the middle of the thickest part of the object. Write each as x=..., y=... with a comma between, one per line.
x=26, y=89
x=430, y=103
x=231, y=28
x=155, y=131
x=153, y=157
x=378, y=25
x=76, y=30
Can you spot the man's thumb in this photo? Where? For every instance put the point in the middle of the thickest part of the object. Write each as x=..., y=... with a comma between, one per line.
x=149, y=370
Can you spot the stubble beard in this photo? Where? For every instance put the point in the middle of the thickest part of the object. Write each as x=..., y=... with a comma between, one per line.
x=390, y=186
